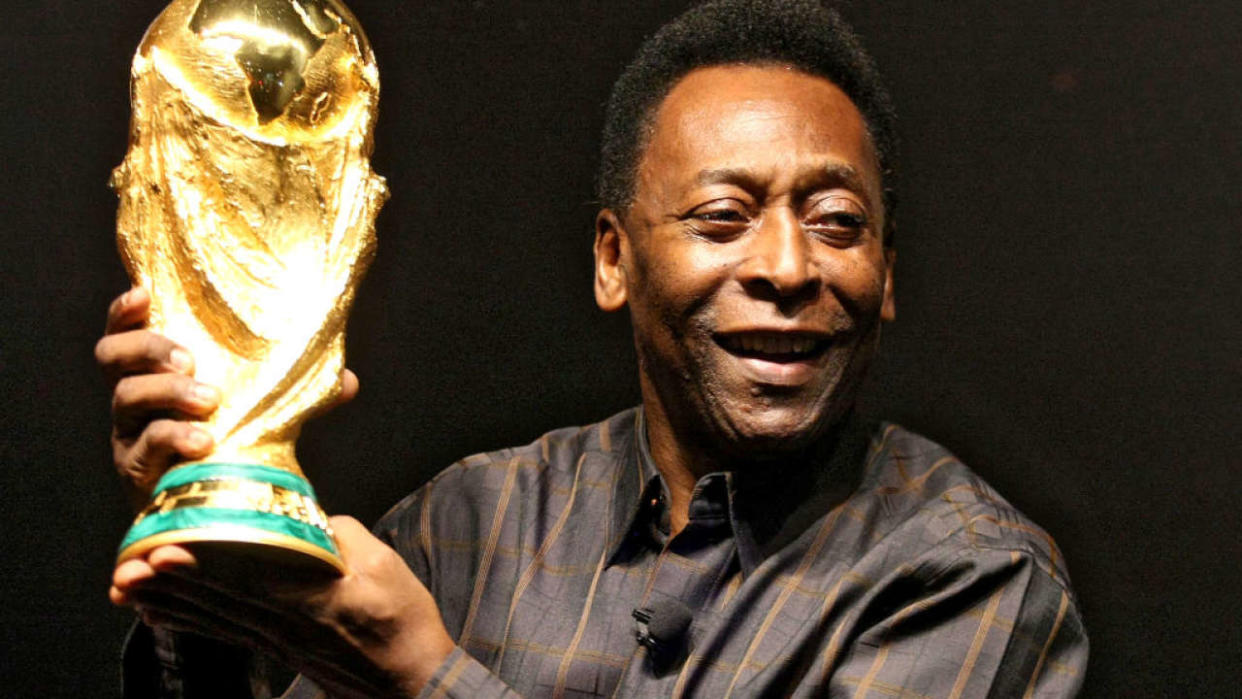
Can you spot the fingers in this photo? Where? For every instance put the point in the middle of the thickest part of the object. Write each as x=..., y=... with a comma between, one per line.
x=151, y=380
x=140, y=352
x=323, y=662
x=208, y=574
x=169, y=588
x=127, y=348
x=349, y=531
x=359, y=548
x=137, y=400
x=159, y=607
x=354, y=633
x=173, y=622
x=349, y=386
x=135, y=572
x=168, y=559
x=128, y=311
x=142, y=460
x=127, y=577
x=172, y=572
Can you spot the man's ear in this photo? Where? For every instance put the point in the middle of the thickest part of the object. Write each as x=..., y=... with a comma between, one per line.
x=888, y=310
x=611, y=253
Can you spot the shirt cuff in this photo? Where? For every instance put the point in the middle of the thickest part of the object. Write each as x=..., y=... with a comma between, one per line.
x=460, y=676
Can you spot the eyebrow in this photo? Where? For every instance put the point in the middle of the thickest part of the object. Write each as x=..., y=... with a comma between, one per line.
x=836, y=173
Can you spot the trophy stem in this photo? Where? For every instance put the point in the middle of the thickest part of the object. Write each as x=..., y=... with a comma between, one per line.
x=265, y=511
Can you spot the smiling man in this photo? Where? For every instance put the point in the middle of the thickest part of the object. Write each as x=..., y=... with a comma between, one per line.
x=741, y=533
x=752, y=258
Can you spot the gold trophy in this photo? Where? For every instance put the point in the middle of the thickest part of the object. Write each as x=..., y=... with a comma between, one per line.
x=247, y=207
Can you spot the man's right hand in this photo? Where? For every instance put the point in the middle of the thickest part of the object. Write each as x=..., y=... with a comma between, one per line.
x=154, y=395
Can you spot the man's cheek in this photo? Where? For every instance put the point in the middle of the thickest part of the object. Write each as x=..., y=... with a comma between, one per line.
x=857, y=281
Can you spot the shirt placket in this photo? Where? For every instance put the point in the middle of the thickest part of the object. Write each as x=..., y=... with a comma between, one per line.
x=687, y=576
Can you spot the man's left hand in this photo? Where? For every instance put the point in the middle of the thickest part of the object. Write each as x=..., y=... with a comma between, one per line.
x=375, y=631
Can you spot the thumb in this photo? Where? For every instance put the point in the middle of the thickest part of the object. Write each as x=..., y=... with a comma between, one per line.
x=355, y=542
x=349, y=387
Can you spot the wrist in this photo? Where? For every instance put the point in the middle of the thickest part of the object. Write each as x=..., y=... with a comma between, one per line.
x=430, y=648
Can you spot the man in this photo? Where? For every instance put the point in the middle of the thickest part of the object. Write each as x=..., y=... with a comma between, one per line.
x=741, y=533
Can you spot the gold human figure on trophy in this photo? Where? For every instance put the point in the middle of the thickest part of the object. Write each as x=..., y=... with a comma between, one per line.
x=247, y=207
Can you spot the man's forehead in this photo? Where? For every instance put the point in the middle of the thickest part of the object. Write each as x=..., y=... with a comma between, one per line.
x=720, y=119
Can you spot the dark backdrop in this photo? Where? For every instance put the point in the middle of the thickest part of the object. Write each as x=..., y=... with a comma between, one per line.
x=1068, y=290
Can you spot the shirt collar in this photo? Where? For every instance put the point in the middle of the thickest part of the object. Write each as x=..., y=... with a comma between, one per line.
x=777, y=503
x=638, y=483
x=767, y=508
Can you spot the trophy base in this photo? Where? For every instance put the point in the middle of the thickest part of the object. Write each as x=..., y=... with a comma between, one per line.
x=247, y=510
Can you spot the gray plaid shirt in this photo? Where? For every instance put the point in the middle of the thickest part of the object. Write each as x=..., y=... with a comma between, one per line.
x=891, y=570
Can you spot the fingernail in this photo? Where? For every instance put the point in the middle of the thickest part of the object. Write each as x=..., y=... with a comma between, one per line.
x=198, y=440
x=206, y=394
x=180, y=359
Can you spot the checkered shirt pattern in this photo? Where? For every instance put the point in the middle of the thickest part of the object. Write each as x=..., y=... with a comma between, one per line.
x=891, y=570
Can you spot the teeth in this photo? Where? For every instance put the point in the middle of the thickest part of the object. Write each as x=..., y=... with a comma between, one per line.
x=772, y=344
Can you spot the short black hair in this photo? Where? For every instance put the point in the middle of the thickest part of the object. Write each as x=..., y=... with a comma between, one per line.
x=802, y=33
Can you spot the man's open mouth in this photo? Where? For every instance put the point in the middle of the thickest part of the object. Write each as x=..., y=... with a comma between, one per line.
x=774, y=347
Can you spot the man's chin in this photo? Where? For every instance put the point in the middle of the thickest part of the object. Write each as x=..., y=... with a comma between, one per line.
x=773, y=436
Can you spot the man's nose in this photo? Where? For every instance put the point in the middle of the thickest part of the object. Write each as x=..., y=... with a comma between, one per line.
x=778, y=263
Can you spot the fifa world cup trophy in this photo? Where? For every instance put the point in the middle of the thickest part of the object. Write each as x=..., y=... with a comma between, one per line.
x=247, y=208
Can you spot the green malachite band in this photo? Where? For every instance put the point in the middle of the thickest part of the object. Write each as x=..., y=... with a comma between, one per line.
x=199, y=517
x=215, y=471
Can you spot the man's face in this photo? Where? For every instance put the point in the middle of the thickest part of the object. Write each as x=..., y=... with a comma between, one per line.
x=752, y=259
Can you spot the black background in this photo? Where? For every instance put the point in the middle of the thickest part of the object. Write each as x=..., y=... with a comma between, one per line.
x=1067, y=289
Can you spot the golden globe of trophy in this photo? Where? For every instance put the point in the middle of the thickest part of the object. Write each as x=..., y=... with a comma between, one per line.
x=247, y=208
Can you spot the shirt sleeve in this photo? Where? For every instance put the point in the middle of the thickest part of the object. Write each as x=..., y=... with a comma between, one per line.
x=460, y=676
x=407, y=531
x=985, y=622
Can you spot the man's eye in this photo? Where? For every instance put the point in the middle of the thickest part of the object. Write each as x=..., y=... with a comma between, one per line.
x=838, y=225
x=844, y=220
x=719, y=220
x=721, y=216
